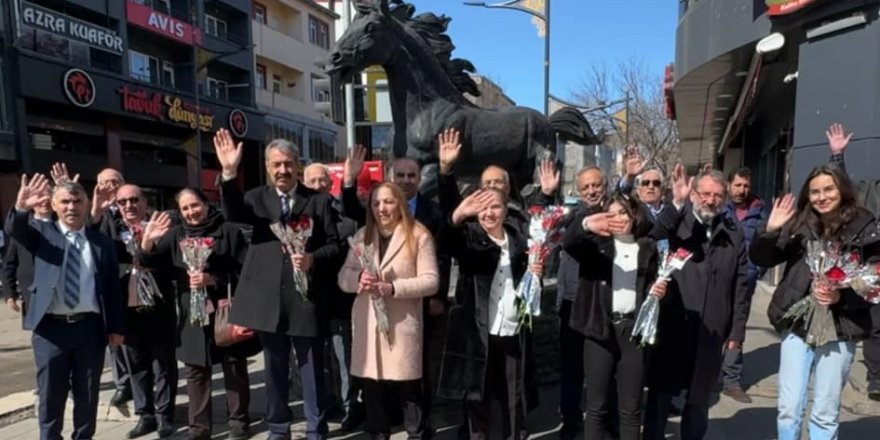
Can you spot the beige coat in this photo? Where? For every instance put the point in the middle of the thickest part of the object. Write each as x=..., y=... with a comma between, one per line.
x=413, y=277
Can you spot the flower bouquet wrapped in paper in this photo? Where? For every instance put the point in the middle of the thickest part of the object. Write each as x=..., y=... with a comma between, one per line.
x=365, y=255
x=831, y=269
x=195, y=252
x=544, y=234
x=294, y=235
x=143, y=289
x=866, y=282
x=645, y=327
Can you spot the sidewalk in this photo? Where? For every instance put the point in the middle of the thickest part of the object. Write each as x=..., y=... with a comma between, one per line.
x=729, y=419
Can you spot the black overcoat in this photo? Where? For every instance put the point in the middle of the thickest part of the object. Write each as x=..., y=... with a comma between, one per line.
x=267, y=299
x=707, y=304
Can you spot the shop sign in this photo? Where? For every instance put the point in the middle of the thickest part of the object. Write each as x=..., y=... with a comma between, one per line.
x=784, y=7
x=165, y=107
x=162, y=24
x=238, y=123
x=47, y=20
x=79, y=88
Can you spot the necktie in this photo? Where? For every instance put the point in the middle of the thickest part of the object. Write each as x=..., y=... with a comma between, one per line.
x=285, y=207
x=72, y=271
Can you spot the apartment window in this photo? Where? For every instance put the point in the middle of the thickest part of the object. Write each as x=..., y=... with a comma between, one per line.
x=260, y=14
x=261, y=76
x=319, y=92
x=168, y=74
x=159, y=5
x=217, y=89
x=276, y=84
x=319, y=33
x=143, y=67
x=215, y=27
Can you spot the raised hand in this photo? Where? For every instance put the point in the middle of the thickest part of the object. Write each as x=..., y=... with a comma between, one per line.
x=783, y=211
x=354, y=163
x=706, y=168
x=228, y=152
x=32, y=193
x=601, y=224
x=548, y=175
x=103, y=196
x=633, y=165
x=837, y=138
x=158, y=226
x=60, y=175
x=681, y=185
x=472, y=205
x=449, y=148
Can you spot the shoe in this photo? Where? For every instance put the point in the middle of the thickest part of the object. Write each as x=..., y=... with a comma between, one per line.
x=736, y=392
x=120, y=397
x=238, y=433
x=166, y=429
x=351, y=422
x=569, y=430
x=874, y=389
x=146, y=425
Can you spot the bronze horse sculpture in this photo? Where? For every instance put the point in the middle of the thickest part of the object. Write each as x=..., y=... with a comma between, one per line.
x=426, y=89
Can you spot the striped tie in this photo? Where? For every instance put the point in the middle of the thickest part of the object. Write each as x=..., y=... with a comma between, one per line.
x=72, y=271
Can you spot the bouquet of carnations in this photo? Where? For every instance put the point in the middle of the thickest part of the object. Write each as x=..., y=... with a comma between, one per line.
x=545, y=233
x=365, y=254
x=195, y=252
x=140, y=280
x=294, y=234
x=833, y=269
x=645, y=327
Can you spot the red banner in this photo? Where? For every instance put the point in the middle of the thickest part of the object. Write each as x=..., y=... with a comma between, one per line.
x=784, y=7
x=162, y=24
x=371, y=174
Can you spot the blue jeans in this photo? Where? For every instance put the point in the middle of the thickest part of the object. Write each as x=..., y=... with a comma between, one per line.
x=831, y=363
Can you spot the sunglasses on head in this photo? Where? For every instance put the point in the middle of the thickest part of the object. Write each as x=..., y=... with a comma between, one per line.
x=132, y=200
x=656, y=183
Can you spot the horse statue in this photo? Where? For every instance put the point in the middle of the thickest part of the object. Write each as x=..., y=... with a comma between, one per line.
x=426, y=89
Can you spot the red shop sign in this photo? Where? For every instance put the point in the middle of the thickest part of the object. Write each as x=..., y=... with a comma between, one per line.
x=162, y=24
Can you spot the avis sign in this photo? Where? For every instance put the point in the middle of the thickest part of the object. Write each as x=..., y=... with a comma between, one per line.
x=162, y=24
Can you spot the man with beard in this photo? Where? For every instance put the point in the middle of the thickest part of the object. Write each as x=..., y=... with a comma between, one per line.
x=869, y=197
x=18, y=264
x=336, y=304
x=406, y=174
x=749, y=212
x=148, y=352
x=706, y=306
x=591, y=187
x=267, y=298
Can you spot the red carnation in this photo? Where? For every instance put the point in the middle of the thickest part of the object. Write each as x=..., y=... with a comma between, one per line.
x=835, y=274
x=535, y=210
x=682, y=253
x=208, y=241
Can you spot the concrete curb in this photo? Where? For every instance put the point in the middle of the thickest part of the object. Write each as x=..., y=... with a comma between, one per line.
x=16, y=407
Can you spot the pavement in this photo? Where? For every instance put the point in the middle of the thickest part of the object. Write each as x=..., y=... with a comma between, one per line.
x=729, y=419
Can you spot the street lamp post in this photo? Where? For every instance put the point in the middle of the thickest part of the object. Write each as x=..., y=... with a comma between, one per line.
x=545, y=16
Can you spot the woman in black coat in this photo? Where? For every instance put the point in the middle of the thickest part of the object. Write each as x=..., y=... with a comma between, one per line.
x=486, y=347
x=618, y=264
x=161, y=251
x=826, y=210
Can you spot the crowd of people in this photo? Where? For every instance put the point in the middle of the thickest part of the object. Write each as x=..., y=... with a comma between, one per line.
x=289, y=271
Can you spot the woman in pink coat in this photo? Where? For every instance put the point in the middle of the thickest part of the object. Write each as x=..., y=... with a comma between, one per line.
x=405, y=266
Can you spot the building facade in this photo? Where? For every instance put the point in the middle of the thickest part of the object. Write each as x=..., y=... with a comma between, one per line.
x=293, y=39
x=767, y=105
x=491, y=94
x=137, y=85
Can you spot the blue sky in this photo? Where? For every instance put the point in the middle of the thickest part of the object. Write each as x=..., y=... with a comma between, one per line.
x=504, y=44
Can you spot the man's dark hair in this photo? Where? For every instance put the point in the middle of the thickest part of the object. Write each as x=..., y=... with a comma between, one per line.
x=743, y=172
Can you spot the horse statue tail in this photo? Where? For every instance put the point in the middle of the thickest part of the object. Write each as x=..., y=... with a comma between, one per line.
x=571, y=123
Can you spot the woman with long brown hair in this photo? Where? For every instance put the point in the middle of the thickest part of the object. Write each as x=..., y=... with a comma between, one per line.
x=406, y=267
x=827, y=210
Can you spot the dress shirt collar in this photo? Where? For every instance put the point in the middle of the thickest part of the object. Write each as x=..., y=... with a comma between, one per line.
x=67, y=231
x=288, y=193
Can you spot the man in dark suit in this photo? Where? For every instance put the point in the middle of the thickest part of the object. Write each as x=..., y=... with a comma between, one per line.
x=405, y=173
x=18, y=266
x=267, y=299
x=76, y=305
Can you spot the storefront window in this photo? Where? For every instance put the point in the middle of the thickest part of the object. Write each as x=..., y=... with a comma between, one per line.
x=283, y=129
x=67, y=142
x=322, y=146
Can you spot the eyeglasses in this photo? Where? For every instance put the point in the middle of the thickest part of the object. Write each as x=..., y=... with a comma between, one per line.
x=656, y=183
x=132, y=200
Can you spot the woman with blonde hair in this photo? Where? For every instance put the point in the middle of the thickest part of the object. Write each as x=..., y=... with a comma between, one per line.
x=406, y=271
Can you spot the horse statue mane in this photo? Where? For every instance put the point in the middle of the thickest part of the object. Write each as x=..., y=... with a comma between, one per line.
x=432, y=29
